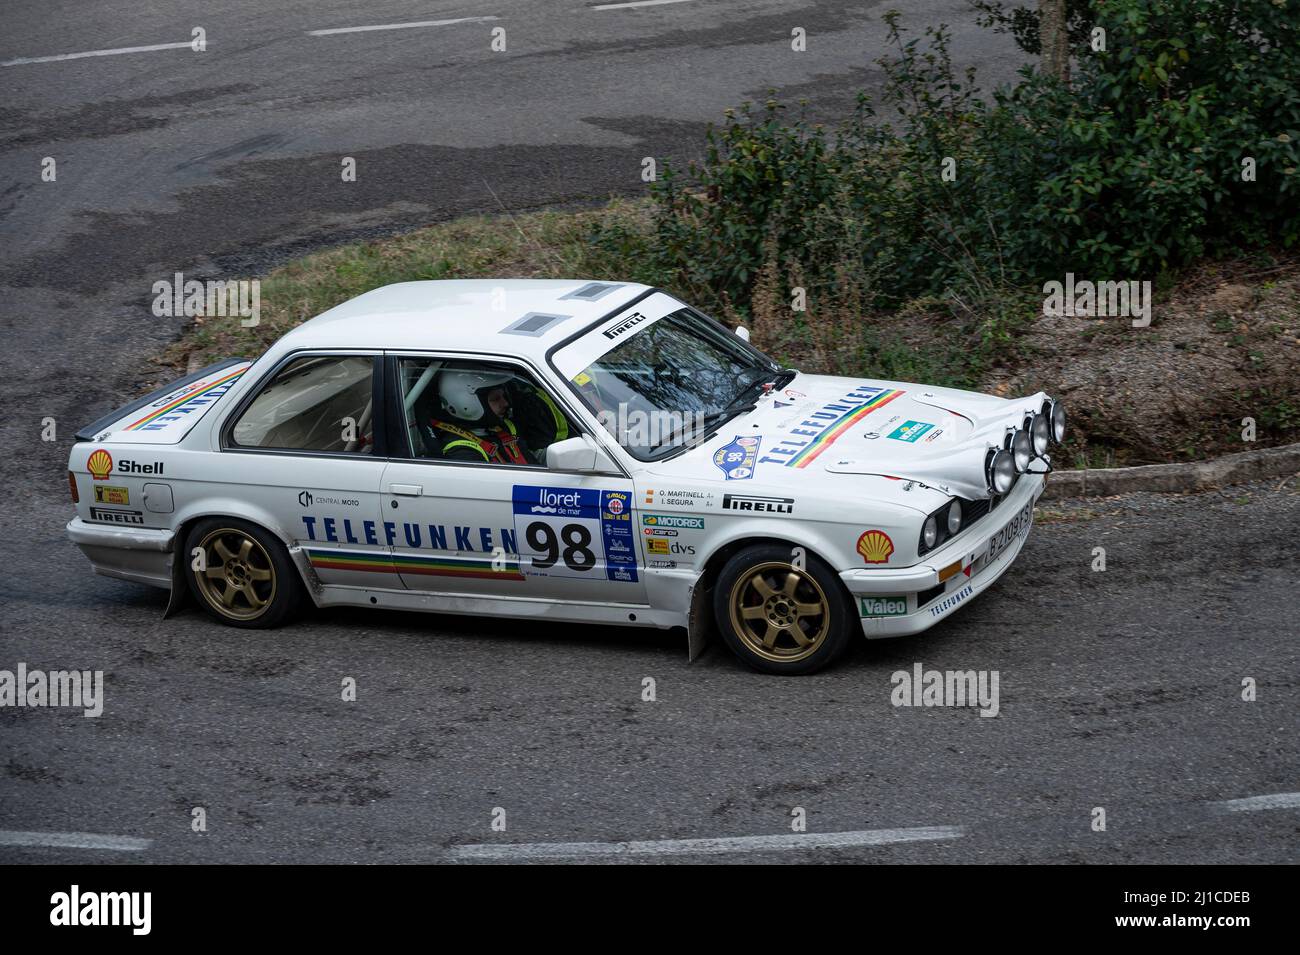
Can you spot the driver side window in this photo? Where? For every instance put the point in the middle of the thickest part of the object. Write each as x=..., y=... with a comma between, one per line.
x=475, y=412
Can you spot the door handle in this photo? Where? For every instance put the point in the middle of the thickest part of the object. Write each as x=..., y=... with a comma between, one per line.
x=406, y=490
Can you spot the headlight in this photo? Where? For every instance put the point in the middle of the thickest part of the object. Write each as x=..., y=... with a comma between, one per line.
x=1002, y=472
x=954, y=517
x=1058, y=422
x=930, y=532
x=1041, y=433
x=1022, y=451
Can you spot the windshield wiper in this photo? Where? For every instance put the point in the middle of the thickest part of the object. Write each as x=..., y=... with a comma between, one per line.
x=713, y=418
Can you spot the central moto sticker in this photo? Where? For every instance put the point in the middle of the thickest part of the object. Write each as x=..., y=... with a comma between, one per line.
x=571, y=532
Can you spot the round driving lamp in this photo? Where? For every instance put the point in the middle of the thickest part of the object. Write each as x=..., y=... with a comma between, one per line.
x=1041, y=433
x=1058, y=422
x=1002, y=472
x=1022, y=450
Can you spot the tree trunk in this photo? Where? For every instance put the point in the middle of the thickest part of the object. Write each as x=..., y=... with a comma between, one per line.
x=1054, y=39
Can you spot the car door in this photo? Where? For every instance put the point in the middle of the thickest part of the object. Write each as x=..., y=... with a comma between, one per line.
x=310, y=456
x=501, y=529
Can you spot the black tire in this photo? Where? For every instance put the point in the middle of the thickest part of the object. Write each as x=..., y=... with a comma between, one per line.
x=793, y=641
x=248, y=579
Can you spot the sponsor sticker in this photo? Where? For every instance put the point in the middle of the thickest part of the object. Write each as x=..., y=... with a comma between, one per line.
x=947, y=603
x=614, y=331
x=882, y=606
x=823, y=426
x=673, y=520
x=110, y=516
x=562, y=531
x=99, y=464
x=875, y=547
x=910, y=431
x=736, y=460
x=109, y=494
x=757, y=504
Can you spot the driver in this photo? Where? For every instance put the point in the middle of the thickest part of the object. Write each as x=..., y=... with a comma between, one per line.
x=473, y=422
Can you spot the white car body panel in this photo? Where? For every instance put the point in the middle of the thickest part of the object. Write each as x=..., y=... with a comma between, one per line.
x=819, y=464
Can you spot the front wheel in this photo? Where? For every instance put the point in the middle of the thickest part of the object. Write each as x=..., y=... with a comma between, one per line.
x=779, y=618
x=240, y=573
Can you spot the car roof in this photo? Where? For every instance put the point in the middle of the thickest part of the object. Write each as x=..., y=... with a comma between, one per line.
x=519, y=317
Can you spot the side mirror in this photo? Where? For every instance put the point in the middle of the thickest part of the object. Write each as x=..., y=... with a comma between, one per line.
x=572, y=454
x=742, y=332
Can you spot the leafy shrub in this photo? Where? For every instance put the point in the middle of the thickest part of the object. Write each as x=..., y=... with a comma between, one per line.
x=1135, y=168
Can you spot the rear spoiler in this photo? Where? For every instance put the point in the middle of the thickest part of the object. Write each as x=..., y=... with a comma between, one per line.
x=89, y=431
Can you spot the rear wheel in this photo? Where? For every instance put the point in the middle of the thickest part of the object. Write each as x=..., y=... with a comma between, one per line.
x=244, y=577
x=779, y=618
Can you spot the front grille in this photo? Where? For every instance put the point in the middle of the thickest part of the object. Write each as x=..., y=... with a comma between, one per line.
x=925, y=596
x=972, y=511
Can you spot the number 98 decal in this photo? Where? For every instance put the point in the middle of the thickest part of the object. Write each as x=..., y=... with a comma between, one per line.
x=575, y=554
x=575, y=532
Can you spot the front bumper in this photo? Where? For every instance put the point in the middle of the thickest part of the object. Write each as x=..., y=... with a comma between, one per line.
x=139, y=554
x=892, y=595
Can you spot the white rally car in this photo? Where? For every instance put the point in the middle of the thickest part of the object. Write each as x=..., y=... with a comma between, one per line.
x=591, y=452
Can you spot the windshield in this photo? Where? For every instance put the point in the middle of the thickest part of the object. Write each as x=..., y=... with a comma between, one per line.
x=663, y=386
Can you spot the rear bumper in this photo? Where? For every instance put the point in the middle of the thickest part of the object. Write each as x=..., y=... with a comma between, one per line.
x=891, y=608
x=138, y=554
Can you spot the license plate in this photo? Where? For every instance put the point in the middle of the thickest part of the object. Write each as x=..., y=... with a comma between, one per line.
x=1014, y=528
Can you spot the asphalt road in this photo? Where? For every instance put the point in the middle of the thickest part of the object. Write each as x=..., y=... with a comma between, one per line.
x=1118, y=689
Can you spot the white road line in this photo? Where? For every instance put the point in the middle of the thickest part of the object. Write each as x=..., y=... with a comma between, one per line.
x=668, y=847
x=635, y=3
x=1256, y=803
x=77, y=56
x=73, y=840
x=400, y=26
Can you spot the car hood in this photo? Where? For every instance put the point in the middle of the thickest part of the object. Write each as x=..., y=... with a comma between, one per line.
x=829, y=433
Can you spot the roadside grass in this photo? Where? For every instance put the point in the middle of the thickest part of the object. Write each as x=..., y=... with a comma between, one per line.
x=540, y=245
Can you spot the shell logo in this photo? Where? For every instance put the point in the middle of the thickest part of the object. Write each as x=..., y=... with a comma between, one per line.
x=99, y=464
x=875, y=547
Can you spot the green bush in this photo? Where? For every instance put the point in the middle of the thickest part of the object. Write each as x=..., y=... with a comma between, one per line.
x=1135, y=168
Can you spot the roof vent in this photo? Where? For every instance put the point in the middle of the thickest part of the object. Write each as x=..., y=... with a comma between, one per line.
x=592, y=291
x=534, y=324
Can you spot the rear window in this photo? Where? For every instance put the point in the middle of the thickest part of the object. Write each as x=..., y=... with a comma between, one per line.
x=314, y=403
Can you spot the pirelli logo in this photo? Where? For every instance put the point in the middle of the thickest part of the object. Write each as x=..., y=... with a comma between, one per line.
x=751, y=502
x=636, y=318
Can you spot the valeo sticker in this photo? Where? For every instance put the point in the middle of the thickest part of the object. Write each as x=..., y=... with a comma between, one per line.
x=882, y=606
x=910, y=431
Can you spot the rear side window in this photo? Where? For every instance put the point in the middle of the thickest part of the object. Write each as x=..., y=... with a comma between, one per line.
x=314, y=403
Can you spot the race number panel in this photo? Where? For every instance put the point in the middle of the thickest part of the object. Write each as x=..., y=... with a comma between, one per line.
x=574, y=532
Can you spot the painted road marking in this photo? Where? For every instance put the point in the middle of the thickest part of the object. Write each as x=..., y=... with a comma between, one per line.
x=74, y=840
x=636, y=3
x=669, y=847
x=400, y=26
x=188, y=44
x=1256, y=803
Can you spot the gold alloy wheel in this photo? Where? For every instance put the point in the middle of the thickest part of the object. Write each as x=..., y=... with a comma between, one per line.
x=780, y=613
x=239, y=579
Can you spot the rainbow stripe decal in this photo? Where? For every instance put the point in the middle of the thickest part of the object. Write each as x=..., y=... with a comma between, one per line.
x=842, y=424
x=432, y=566
x=196, y=393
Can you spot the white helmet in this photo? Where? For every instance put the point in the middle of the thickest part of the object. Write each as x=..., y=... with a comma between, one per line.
x=462, y=392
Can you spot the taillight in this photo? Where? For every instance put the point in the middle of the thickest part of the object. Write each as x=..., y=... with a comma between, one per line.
x=72, y=486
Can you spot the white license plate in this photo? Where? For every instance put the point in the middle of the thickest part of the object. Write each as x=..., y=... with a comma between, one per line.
x=1014, y=528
